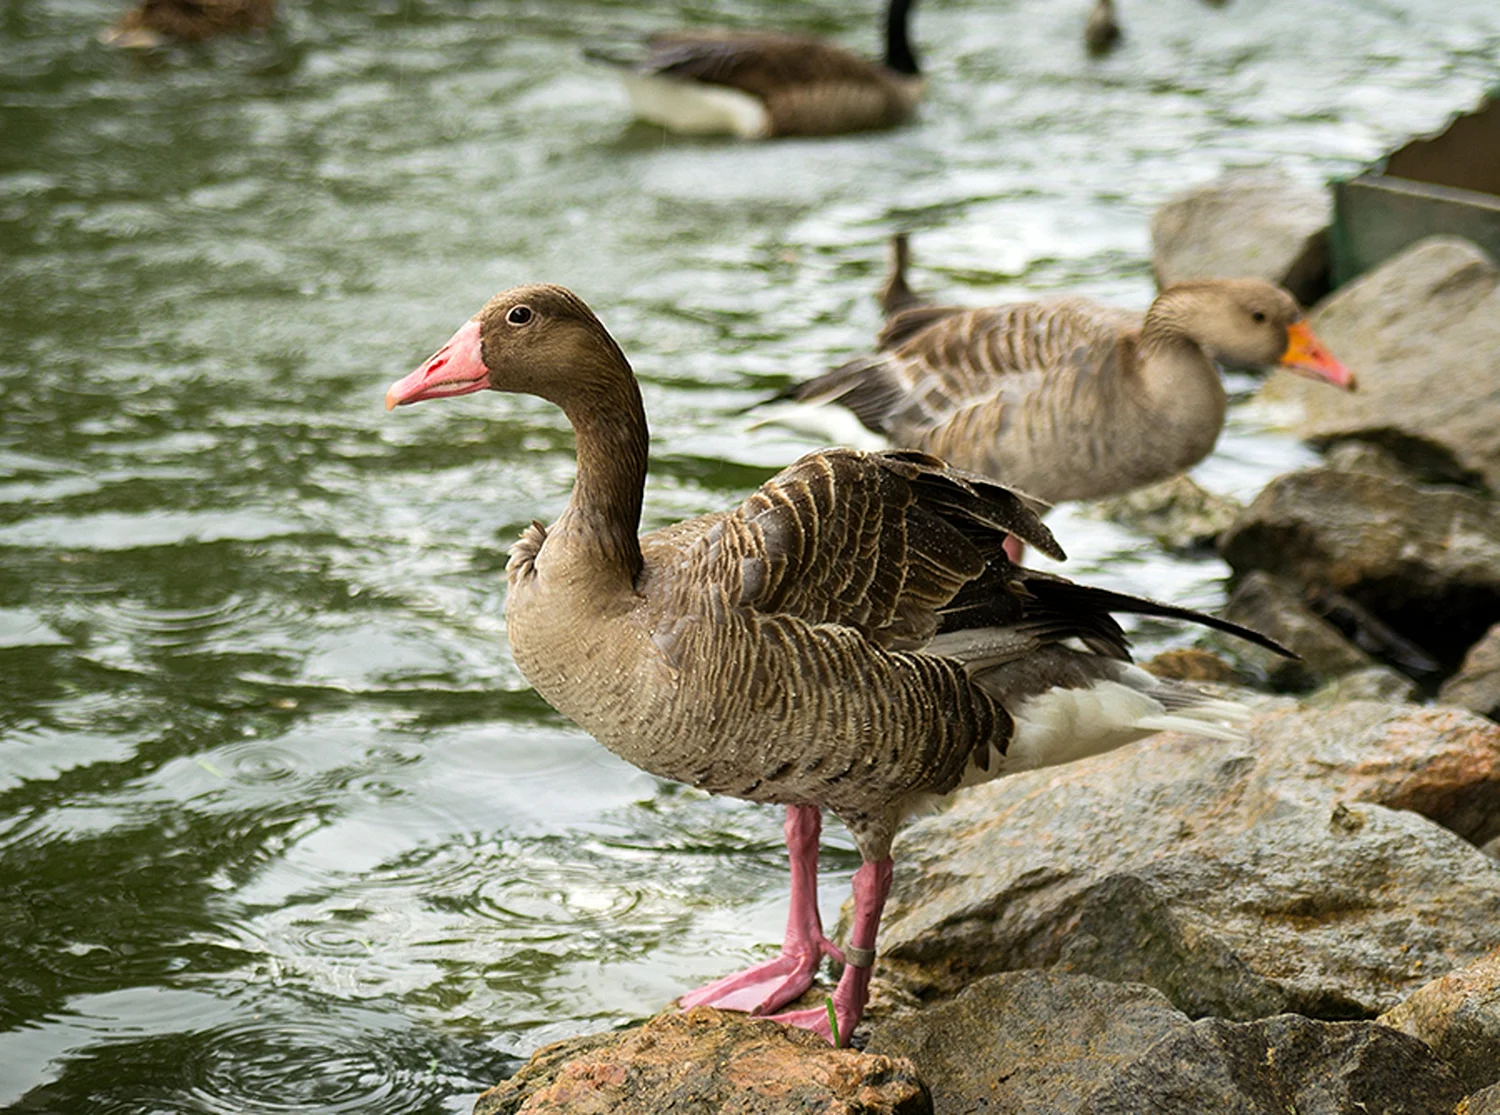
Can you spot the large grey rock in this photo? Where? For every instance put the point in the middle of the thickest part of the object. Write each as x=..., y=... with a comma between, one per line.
x=1476, y=685
x=709, y=1062
x=1458, y=1015
x=1281, y=1065
x=1256, y=224
x=1270, y=606
x=1412, y=563
x=1048, y=1043
x=1227, y=876
x=1038, y=1042
x=1422, y=331
x=1283, y=916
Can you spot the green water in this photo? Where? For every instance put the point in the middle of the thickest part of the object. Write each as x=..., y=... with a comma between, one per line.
x=281, y=826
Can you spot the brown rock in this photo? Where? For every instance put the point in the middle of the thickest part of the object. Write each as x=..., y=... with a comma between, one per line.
x=1458, y=1015
x=1476, y=685
x=1254, y=224
x=1422, y=331
x=1192, y=664
x=710, y=1062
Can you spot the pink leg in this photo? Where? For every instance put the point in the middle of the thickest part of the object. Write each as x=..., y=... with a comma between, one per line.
x=872, y=883
x=1015, y=549
x=780, y=980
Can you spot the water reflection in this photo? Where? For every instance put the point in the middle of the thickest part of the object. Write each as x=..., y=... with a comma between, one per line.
x=281, y=826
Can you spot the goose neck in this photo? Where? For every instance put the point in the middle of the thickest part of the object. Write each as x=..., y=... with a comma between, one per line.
x=601, y=524
x=899, y=53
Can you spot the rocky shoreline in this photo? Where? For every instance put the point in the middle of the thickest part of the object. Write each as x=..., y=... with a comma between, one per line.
x=1305, y=921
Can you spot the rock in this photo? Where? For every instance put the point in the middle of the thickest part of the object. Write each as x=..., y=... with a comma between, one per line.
x=1279, y=1065
x=1192, y=664
x=1441, y=763
x=1252, y=224
x=1422, y=561
x=711, y=1062
x=1273, y=608
x=1048, y=1043
x=1476, y=685
x=1354, y=455
x=1283, y=917
x=1491, y=848
x=1030, y=1041
x=1422, y=331
x=1179, y=514
x=1486, y=1102
x=1458, y=1015
x=1375, y=683
x=1227, y=876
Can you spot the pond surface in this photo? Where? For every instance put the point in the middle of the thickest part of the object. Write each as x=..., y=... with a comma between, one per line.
x=281, y=826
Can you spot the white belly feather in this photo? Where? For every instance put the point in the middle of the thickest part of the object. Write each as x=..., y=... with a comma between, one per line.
x=693, y=108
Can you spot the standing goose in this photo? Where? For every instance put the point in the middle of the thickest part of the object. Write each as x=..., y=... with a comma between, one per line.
x=1069, y=399
x=851, y=637
x=153, y=23
x=760, y=84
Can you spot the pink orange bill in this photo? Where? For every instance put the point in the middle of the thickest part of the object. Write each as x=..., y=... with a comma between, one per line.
x=1306, y=356
x=455, y=369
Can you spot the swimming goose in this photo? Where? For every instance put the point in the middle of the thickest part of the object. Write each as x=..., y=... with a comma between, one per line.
x=851, y=637
x=155, y=22
x=759, y=84
x=1102, y=32
x=1068, y=399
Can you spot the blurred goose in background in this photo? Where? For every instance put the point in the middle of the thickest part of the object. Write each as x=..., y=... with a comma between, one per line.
x=1102, y=32
x=1067, y=399
x=759, y=84
x=154, y=23
x=851, y=637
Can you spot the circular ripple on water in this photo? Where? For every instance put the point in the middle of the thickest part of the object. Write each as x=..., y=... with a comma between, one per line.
x=173, y=627
x=519, y=886
x=282, y=1064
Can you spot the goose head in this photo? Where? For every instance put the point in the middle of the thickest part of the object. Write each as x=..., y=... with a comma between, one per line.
x=1251, y=324
x=536, y=340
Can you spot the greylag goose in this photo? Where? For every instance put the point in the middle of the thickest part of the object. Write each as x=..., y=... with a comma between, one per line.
x=759, y=84
x=851, y=637
x=1102, y=32
x=1069, y=399
x=155, y=22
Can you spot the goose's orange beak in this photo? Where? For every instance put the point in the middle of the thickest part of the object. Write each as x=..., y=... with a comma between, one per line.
x=1306, y=356
x=455, y=369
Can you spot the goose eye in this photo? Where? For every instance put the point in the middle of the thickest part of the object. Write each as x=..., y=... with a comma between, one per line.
x=519, y=315
x=1258, y=316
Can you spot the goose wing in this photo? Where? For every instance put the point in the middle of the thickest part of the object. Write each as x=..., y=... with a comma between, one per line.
x=977, y=364
x=877, y=542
